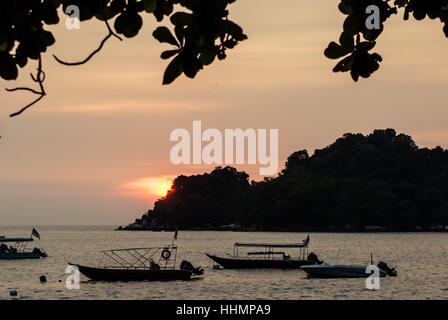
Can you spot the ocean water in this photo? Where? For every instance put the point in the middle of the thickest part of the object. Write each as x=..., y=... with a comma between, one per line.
x=420, y=258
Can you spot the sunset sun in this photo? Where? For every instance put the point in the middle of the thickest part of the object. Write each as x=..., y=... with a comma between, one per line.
x=149, y=186
x=163, y=188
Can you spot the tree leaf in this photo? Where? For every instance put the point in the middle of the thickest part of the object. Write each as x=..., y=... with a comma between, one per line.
x=347, y=41
x=181, y=18
x=345, y=8
x=207, y=57
x=8, y=68
x=168, y=54
x=335, y=51
x=163, y=34
x=4, y=46
x=344, y=65
x=128, y=24
x=173, y=70
x=233, y=29
x=150, y=5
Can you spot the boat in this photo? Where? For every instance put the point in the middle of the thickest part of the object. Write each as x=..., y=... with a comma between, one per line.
x=17, y=249
x=272, y=256
x=346, y=271
x=137, y=264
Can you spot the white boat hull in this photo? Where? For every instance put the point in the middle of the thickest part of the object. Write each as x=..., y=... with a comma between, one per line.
x=338, y=271
x=20, y=256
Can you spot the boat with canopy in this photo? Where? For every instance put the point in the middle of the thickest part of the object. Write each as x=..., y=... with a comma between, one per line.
x=16, y=248
x=156, y=263
x=267, y=255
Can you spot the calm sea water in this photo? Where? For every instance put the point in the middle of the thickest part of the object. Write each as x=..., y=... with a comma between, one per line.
x=420, y=258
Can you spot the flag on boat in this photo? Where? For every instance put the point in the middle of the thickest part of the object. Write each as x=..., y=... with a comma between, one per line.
x=35, y=234
x=307, y=240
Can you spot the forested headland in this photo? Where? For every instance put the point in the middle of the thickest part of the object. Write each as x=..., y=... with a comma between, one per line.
x=377, y=182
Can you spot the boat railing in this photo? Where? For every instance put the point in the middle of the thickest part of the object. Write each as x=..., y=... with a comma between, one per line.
x=264, y=252
x=269, y=254
x=19, y=244
x=140, y=258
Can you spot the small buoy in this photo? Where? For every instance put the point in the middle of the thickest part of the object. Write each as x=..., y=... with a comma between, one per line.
x=13, y=293
x=43, y=279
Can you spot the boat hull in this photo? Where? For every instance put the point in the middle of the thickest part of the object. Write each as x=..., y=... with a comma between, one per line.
x=232, y=263
x=338, y=271
x=20, y=256
x=104, y=274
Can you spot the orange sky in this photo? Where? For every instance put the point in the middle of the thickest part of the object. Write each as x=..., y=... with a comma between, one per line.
x=77, y=157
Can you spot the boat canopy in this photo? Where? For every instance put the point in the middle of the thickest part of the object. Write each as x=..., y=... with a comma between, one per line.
x=272, y=245
x=16, y=239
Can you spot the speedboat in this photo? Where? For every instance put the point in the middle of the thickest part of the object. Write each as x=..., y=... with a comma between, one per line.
x=140, y=264
x=346, y=271
x=17, y=249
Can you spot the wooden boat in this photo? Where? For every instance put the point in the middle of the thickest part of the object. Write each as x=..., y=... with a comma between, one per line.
x=346, y=271
x=17, y=249
x=111, y=274
x=139, y=264
x=267, y=258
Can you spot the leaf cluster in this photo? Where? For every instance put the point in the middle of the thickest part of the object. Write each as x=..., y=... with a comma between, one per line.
x=357, y=41
x=202, y=29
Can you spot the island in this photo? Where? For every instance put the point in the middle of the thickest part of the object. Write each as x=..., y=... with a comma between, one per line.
x=377, y=182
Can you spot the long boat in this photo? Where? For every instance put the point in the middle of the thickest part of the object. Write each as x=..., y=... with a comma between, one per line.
x=17, y=249
x=272, y=256
x=115, y=274
x=152, y=264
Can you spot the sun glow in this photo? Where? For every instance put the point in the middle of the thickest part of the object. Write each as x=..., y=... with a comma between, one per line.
x=163, y=188
x=150, y=186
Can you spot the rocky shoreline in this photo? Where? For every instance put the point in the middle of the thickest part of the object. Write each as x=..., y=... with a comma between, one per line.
x=141, y=226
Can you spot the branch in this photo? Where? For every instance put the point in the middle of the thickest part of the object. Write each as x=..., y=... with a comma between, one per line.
x=23, y=88
x=111, y=33
x=40, y=78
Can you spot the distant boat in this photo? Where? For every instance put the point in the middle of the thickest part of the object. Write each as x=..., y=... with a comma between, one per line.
x=345, y=271
x=17, y=249
x=268, y=258
x=139, y=264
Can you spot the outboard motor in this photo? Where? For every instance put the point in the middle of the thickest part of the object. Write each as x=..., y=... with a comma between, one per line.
x=390, y=271
x=186, y=265
x=313, y=257
x=42, y=253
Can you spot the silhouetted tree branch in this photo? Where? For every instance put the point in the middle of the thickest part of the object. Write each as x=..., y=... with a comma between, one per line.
x=200, y=32
x=111, y=33
x=40, y=78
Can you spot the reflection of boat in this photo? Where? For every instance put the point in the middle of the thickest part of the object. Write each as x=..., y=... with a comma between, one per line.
x=139, y=264
x=269, y=257
x=347, y=271
x=17, y=249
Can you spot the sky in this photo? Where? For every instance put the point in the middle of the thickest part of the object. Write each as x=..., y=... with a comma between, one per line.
x=96, y=150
